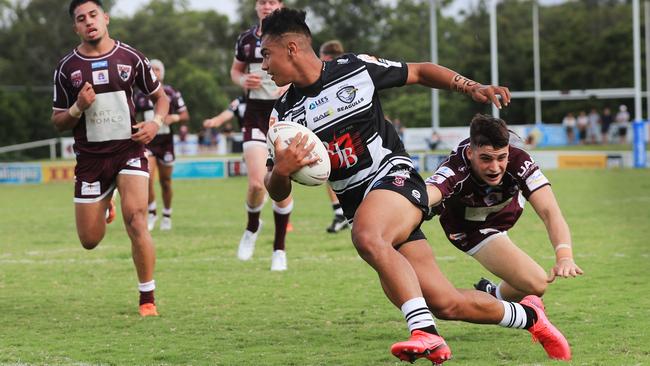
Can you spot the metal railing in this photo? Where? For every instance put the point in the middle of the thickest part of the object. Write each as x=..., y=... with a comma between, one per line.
x=30, y=145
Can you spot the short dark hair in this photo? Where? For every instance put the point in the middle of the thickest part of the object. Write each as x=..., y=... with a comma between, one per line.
x=75, y=3
x=333, y=48
x=486, y=130
x=285, y=20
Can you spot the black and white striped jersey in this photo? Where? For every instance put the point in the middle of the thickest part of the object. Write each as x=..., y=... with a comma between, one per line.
x=344, y=111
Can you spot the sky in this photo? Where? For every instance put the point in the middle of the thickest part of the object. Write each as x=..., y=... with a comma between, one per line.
x=229, y=7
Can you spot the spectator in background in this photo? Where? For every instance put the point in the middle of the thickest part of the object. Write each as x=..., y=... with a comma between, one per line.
x=582, y=122
x=569, y=124
x=593, y=129
x=605, y=121
x=622, y=120
x=434, y=140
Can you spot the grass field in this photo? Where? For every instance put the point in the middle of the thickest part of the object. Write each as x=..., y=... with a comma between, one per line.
x=63, y=305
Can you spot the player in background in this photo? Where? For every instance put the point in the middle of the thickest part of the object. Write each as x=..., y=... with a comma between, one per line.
x=329, y=51
x=160, y=151
x=261, y=93
x=93, y=88
x=480, y=192
x=376, y=183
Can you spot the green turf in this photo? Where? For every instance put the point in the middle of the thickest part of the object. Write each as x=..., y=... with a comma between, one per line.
x=63, y=305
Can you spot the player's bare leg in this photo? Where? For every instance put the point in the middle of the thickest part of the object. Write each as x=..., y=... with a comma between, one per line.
x=473, y=306
x=255, y=158
x=91, y=221
x=133, y=193
x=152, y=216
x=521, y=275
x=165, y=176
x=376, y=229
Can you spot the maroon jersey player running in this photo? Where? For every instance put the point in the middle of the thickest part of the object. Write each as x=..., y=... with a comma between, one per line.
x=480, y=192
x=160, y=151
x=261, y=93
x=93, y=88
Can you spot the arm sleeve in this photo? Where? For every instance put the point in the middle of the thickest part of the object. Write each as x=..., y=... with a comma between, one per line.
x=178, y=104
x=528, y=173
x=385, y=73
x=145, y=79
x=60, y=97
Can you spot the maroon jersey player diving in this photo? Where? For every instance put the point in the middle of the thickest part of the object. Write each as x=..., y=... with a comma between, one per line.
x=479, y=193
x=93, y=88
x=160, y=151
x=376, y=183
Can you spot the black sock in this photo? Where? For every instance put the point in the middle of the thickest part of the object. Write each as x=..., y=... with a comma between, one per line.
x=531, y=315
x=431, y=329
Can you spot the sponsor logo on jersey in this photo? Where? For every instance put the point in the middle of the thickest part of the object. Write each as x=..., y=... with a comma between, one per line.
x=488, y=231
x=457, y=236
x=437, y=179
x=416, y=194
x=76, y=79
x=343, y=61
x=329, y=112
x=99, y=65
x=343, y=152
x=398, y=181
x=525, y=168
x=100, y=77
x=347, y=94
x=124, y=71
x=315, y=104
x=90, y=188
x=135, y=162
x=493, y=198
x=445, y=172
x=351, y=105
x=247, y=49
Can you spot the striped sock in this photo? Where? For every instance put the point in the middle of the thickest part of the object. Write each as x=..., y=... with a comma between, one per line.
x=417, y=315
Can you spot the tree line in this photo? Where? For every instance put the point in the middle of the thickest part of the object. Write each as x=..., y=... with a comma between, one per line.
x=584, y=44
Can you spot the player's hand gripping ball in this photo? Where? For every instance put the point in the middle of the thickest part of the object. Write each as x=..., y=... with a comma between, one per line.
x=309, y=175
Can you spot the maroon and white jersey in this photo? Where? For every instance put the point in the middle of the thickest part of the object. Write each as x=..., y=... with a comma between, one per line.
x=248, y=50
x=106, y=126
x=145, y=106
x=469, y=205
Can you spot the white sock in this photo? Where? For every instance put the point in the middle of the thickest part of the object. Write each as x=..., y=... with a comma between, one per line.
x=417, y=314
x=254, y=209
x=152, y=206
x=514, y=315
x=497, y=293
x=147, y=286
x=283, y=210
x=167, y=212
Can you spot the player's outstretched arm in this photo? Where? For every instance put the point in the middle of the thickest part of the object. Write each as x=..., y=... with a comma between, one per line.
x=219, y=119
x=440, y=77
x=435, y=196
x=544, y=202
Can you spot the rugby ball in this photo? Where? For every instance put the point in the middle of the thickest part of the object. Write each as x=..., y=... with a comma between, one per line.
x=309, y=175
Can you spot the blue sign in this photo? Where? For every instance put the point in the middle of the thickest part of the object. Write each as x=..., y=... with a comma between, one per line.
x=547, y=135
x=199, y=169
x=20, y=173
x=640, y=156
